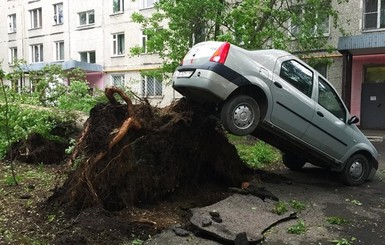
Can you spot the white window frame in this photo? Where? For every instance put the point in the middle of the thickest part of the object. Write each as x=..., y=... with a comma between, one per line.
x=87, y=20
x=37, y=54
x=118, y=80
x=12, y=55
x=59, y=50
x=120, y=6
x=58, y=13
x=88, y=54
x=151, y=87
x=118, y=45
x=144, y=40
x=378, y=19
x=145, y=4
x=35, y=18
x=327, y=28
x=12, y=23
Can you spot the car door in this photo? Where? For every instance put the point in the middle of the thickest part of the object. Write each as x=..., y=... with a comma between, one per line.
x=329, y=131
x=292, y=89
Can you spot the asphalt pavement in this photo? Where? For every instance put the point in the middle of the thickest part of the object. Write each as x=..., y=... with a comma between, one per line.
x=361, y=210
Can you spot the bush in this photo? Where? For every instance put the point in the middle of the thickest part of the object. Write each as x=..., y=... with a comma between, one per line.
x=24, y=120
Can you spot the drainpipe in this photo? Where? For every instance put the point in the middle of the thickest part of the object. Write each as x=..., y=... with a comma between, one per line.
x=347, y=68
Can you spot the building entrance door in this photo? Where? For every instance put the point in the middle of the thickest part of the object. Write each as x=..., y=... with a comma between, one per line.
x=373, y=98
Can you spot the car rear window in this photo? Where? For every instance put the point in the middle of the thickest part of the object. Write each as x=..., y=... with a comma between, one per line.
x=297, y=75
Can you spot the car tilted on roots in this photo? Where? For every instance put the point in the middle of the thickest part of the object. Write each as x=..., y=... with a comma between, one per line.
x=281, y=100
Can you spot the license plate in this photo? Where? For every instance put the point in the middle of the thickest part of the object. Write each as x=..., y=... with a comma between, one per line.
x=185, y=74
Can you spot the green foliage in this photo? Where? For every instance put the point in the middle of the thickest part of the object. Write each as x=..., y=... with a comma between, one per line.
x=297, y=205
x=343, y=241
x=71, y=146
x=280, y=208
x=137, y=241
x=354, y=201
x=257, y=154
x=24, y=120
x=298, y=228
x=251, y=24
x=10, y=180
x=334, y=220
x=77, y=97
x=50, y=103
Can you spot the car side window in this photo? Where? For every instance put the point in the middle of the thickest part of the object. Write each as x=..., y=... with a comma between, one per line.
x=329, y=100
x=297, y=75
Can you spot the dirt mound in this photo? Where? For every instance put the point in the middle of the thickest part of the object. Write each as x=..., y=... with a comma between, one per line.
x=37, y=149
x=129, y=154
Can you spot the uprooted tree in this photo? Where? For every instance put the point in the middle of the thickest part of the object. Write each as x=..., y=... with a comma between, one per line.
x=138, y=153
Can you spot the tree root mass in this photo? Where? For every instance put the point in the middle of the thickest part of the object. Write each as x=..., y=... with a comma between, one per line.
x=133, y=154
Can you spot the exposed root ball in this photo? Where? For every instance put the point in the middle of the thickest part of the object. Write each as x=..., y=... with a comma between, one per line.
x=137, y=153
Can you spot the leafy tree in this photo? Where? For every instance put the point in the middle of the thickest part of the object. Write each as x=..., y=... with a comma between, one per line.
x=252, y=24
x=50, y=82
x=49, y=104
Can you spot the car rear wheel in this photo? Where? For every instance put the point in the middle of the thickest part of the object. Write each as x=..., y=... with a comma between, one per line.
x=356, y=170
x=240, y=115
x=292, y=162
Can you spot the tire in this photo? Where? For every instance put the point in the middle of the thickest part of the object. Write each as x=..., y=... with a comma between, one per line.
x=292, y=162
x=356, y=171
x=240, y=115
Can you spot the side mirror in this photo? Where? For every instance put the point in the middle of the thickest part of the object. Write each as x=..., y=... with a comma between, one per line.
x=353, y=120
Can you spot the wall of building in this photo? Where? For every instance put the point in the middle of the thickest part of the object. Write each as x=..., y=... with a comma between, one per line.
x=94, y=37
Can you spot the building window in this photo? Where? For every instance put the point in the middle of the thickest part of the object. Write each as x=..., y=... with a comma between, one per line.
x=118, y=44
x=118, y=80
x=322, y=69
x=144, y=4
x=59, y=50
x=151, y=86
x=374, y=14
x=86, y=18
x=88, y=56
x=12, y=23
x=144, y=43
x=58, y=13
x=36, y=18
x=118, y=6
x=323, y=28
x=36, y=53
x=12, y=55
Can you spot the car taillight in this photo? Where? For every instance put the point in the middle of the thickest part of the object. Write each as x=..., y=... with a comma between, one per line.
x=220, y=54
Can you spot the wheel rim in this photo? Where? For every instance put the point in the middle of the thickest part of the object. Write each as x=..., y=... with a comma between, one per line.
x=356, y=170
x=243, y=116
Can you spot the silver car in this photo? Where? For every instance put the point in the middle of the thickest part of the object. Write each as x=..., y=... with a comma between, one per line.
x=278, y=98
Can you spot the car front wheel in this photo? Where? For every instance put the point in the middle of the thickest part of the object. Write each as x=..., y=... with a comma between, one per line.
x=240, y=115
x=356, y=170
x=292, y=162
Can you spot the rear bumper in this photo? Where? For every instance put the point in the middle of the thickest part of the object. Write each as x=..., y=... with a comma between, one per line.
x=204, y=85
x=211, y=82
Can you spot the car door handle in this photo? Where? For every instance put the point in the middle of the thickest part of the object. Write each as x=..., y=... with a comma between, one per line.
x=277, y=84
x=320, y=114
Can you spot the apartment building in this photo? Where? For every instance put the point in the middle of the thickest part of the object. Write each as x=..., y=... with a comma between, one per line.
x=95, y=36
x=363, y=73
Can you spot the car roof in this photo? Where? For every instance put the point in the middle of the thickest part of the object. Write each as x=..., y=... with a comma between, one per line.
x=265, y=57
